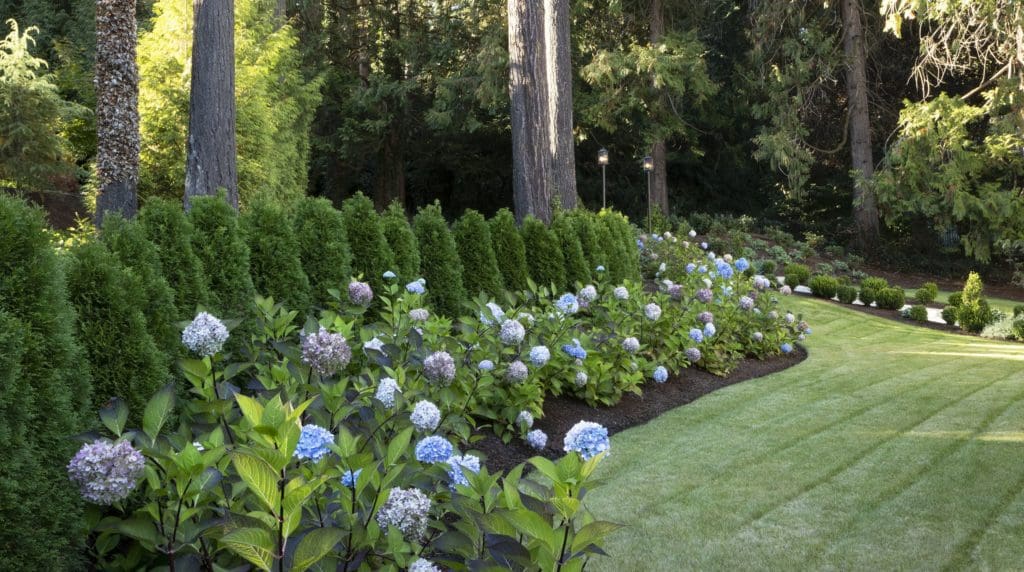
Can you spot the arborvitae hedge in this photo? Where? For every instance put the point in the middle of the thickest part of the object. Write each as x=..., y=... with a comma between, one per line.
x=371, y=255
x=165, y=225
x=127, y=241
x=323, y=247
x=402, y=242
x=220, y=246
x=439, y=261
x=586, y=223
x=509, y=250
x=52, y=363
x=543, y=254
x=628, y=266
x=616, y=268
x=479, y=266
x=274, y=262
x=123, y=357
x=575, y=263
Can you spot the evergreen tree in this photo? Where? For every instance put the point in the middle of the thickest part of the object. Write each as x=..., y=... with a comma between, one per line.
x=576, y=269
x=544, y=257
x=274, y=260
x=323, y=247
x=140, y=257
x=585, y=224
x=402, y=241
x=439, y=261
x=220, y=246
x=614, y=258
x=509, y=250
x=627, y=260
x=165, y=225
x=371, y=255
x=33, y=294
x=123, y=357
x=479, y=265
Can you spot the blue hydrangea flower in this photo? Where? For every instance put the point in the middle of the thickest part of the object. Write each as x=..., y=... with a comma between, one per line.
x=512, y=332
x=205, y=335
x=588, y=439
x=746, y=303
x=690, y=268
x=620, y=293
x=524, y=419
x=702, y=269
x=786, y=348
x=660, y=374
x=415, y=287
x=313, y=443
x=704, y=245
x=496, y=312
x=425, y=416
x=459, y=462
x=386, y=389
x=539, y=355
x=709, y=330
x=568, y=304
x=423, y=565
x=537, y=439
x=631, y=345
x=106, y=472
x=348, y=478
x=696, y=335
x=588, y=293
x=693, y=354
x=742, y=264
x=575, y=350
x=389, y=275
x=433, y=449
x=639, y=244
x=486, y=365
x=724, y=269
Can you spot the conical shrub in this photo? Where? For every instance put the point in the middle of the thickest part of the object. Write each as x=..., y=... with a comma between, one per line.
x=274, y=262
x=543, y=254
x=164, y=223
x=479, y=266
x=323, y=247
x=585, y=223
x=439, y=261
x=628, y=266
x=371, y=255
x=576, y=270
x=615, y=263
x=220, y=246
x=402, y=242
x=509, y=250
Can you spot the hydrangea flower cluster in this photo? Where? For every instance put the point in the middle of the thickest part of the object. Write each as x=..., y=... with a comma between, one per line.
x=349, y=478
x=407, y=510
x=416, y=287
x=675, y=291
x=537, y=439
x=761, y=283
x=419, y=314
x=620, y=293
x=588, y=293
x=724, y=269
x=106, y=472
x=423, y=565
x=709, y=330
x=313, y=443
x=496, y=312
x=433, y=449
x=460, y=462
x=786, y=290
x=517, y=372
x=696, y=335
x=512, y=332
x=631, y=345
x=439, y=367
x=786, y=348
x=690, y=268
x=360, y=293
x=374, y=344
x=575, y=350
x=386, y=389
x=525, y=419
x=790, y=318
x=706, y=317
x=587, y=438
x=600, y=268
x=205, y=336
x=746, y=303
x=325, y=352
x=758, y=337
x=568, y=304
x=539, y=355
x=425, y=416
x=581, y=379
x=652, y=311
x=742, y=264
x=660, y=374
x=705, y=295
x=693, y=354
x=486, y=365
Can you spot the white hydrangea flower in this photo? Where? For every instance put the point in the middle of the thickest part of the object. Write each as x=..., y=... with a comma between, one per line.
x=205, y=335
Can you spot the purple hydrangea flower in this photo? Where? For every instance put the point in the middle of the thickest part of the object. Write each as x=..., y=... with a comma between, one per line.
x=746, y=303
x=419, y=314
x=693, y=354
x=705, y=295
x=423, y=565
x=706, y=317
x=360, y=293
x=588, y=293
x=539, y=355
x=652, y=311
x=517, y=372
x=439, y=367
x=106, y=472
x=407, y=510
x=512, y=332
x=620, y=293
x=325, y=352
x=675, y=291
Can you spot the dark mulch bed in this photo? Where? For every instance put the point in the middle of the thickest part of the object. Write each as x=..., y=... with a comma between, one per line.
x=561, y=413
x=895, y=316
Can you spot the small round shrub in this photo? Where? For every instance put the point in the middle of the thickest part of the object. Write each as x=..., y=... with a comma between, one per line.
x=220, y=246
x=402, y=242
x=768, y=268
x=1018, y=328
x=949, y=315
x=890, y=298
x=954, y=299
x=824, y=286
x=1018, y=310
x=869, y=288
x=927, y=293
x=918, y=313
x=800, y=272
x=323, y=247
x=164, y=223
x=846, y=293
x=576, y=265
x=439, y=261
x=509, y=250
x=479, y=265
x=371, y=255
x=792, y=280
x=543, y=254
x=274, y=261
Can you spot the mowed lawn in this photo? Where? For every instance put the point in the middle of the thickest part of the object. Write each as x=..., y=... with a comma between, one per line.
x=891, y=448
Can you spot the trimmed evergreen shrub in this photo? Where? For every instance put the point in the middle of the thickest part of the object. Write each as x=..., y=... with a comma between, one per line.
x=1017, y=327
x=869, y=288
x=323, y=247
x=824, y=286
x=846, y=293
x=615, y=267
x=955, y=299
x=890, y=298
x=576, y=265
x=800, y=272
x=543, y=254
x=371, y=255
x=768, y=269
x=927, y=293
x=509, y=250
x=123, y=357
x=949, y=315
x=220, y=245
x=402, y=242
x=33, y=295
x=479, y=265
x=973, y=312
x=439, y=261
x=623, y=232
x=792, y=280
x=918, y=313
x=165, y=225
x=586, y=223
x=274, y=261
x=141, y=258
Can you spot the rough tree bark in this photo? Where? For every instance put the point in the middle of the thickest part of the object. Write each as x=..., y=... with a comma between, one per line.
x=659, y=177
x=390, y=184
x=211, y=161
x=117, y=109
x=865, y=210
x=558, y=48
x=531, y=155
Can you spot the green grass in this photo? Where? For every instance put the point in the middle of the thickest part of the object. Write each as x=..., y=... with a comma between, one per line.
x=891, y=448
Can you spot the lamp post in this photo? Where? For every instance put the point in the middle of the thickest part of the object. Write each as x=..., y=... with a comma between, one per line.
x=602, y=159
x=648, y=168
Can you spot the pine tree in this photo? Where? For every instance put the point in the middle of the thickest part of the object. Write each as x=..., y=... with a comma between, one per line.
x=274, y=260
x=543, y=254
x=371, y=255
x=402, y=241
x=165, y=225
x=220, y=246
x=439, y=261
x=479, y=266
x=509, y=250
x=323, y=247
x=576, y=267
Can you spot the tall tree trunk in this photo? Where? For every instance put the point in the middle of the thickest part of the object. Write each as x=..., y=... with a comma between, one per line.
x=211, y=161
x=117, y=109
x=280, y=13
x=391, y=156
x=531, y=154
x=659, y=177
x=558, y=48
x=865, y=210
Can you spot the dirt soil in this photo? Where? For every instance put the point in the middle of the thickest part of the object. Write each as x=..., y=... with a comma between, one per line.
x=561, y=413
